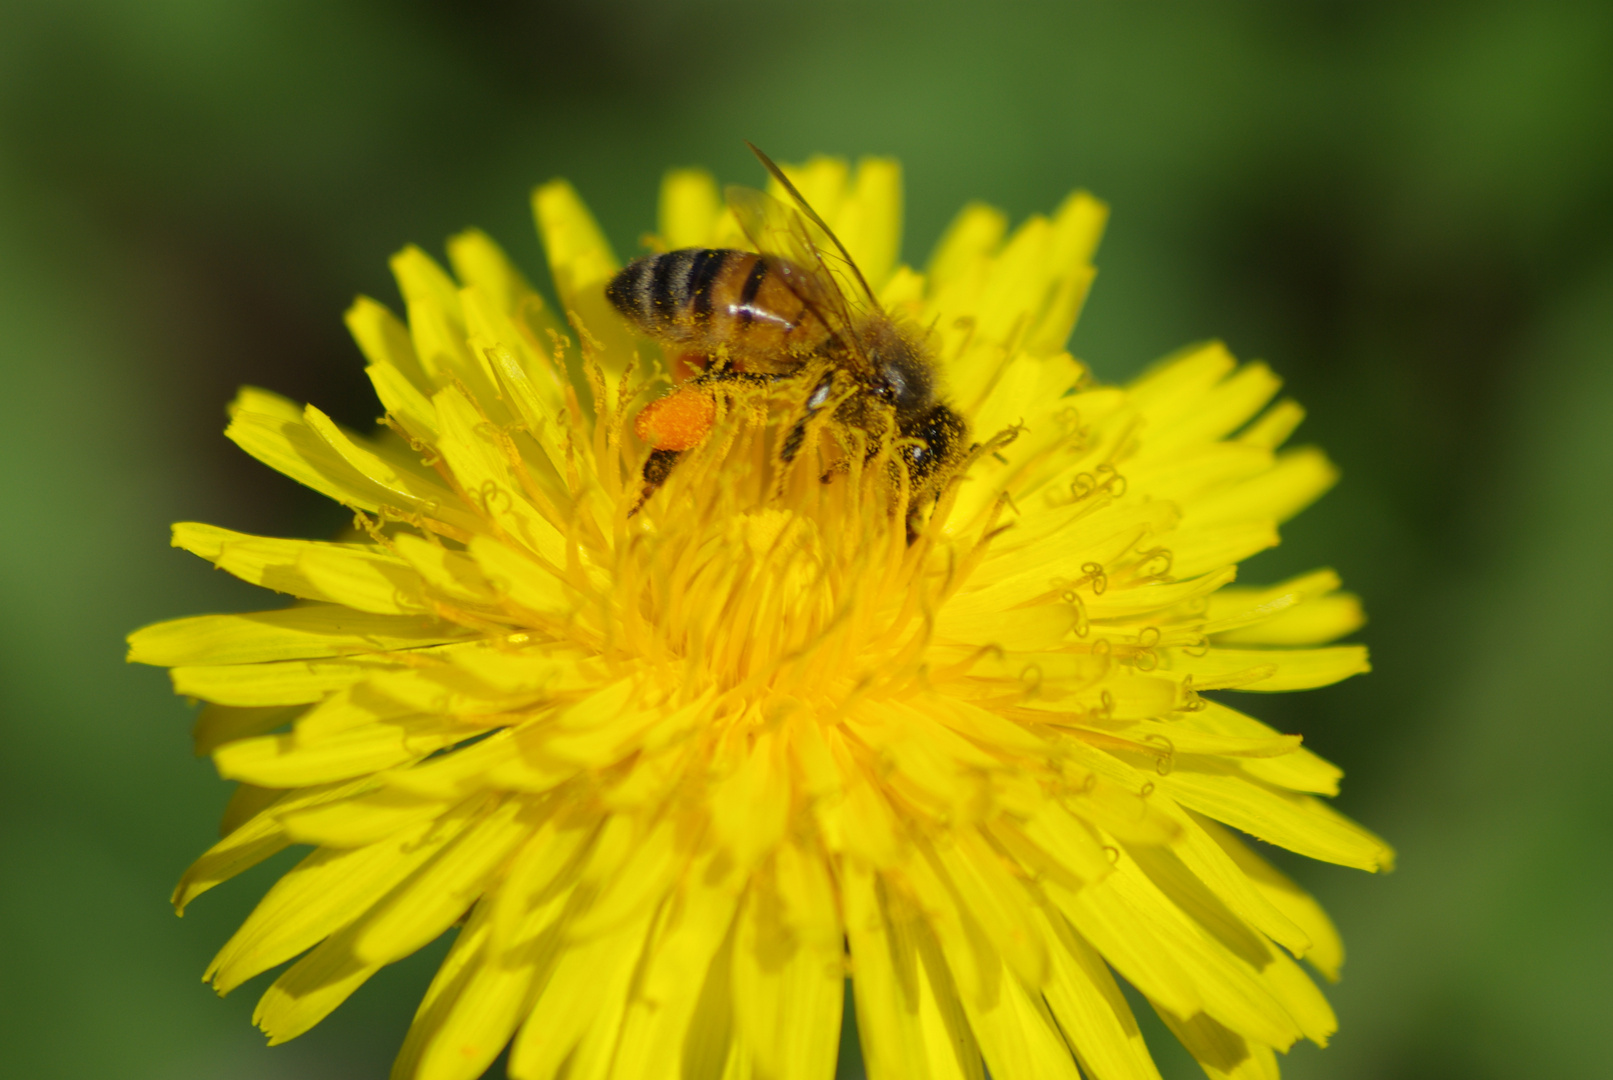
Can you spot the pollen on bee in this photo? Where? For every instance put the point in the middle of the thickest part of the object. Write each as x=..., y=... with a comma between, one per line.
x=687, y=366
x=678, y=421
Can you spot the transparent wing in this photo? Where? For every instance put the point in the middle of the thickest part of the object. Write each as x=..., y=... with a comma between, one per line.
x=782, y=234
x=822, y=274
x=824, y=241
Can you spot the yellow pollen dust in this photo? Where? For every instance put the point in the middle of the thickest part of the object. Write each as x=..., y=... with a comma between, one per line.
x=754, y=578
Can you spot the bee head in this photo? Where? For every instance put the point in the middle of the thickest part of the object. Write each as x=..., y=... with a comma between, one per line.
x=907, y=382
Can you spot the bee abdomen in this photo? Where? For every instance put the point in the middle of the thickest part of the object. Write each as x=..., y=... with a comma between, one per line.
x=670, y=295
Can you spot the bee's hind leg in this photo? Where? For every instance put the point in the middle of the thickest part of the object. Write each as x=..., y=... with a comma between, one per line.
x=795, y=438
x=657, y=467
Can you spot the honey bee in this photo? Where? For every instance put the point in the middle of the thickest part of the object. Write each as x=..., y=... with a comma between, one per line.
x=781, y=313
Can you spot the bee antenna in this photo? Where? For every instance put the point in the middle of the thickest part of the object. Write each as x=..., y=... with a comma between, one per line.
x=812, y=216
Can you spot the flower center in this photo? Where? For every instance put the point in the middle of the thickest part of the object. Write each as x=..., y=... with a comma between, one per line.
x=751, y=577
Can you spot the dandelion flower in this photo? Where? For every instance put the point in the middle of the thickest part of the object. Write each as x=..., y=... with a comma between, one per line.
x=677, y=775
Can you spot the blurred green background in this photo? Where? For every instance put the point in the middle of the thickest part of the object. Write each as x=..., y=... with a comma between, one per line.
x=1407, y=209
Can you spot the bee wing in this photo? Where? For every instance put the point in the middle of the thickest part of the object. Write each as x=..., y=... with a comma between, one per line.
x=823, y=239
x=825, y=278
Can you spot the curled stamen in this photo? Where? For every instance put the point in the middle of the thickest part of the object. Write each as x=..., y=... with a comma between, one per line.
x=1082, y=626
x=1155, y=564
x=1191, y=701
x=1166, y=760
x=1031, y=677
x=491, y=491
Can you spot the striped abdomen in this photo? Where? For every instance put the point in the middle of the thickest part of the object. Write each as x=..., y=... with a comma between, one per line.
x=706, y=299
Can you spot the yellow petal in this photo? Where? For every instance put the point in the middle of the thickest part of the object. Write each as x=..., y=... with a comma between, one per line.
x=1198, y=551
x=247, y=845
x=404, y=402
x=481, y=466
x=1223, y=1054
x=439, y=341
x=750, y=808
x=1132, y=945
x=289, y=682
x=320, y=895
x=910, y=1026
x=385, y=341
x=286, y=761
x=362, y=576
x=1215, y=413
x=965, y=249
x=1314, y=622
x=421, y=280
x=1174, y=386
x=441, y=891
x=1194, y=477
x=1297, y=822
x=630, y=871
x=1272, y=428
x=1208, y=865
x=219, y=724
x=1299, y=770
x=291, y=633
x=690, y=206
x=546, y=867
x=521, y=581
x=1090, y=1008
x=374, y=582
x=362, y=819
x=479, y=261
x=1326, y=953
x=870, y=220
x=1019, y=1037
x=581, y=262
x=1077, y=227
x=482, y=1011
x=1225, y=986
x=1298, y=478
x=449, y=573
x=688, y=936
x=465, y=962
x=400, y=477
x=1271, y=670
x=1000, y=905
x=1300, y=997
x=1233, y=608
x=578, y=1014
x=260, y=425
x=788, y=987
x=309, y=990
x=1018, y=285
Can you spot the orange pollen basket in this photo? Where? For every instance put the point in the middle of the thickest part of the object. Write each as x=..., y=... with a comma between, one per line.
x=679, y=421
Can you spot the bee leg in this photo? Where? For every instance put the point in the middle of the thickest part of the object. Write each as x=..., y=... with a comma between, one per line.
x=936, y=451
x=938, y=433
x=837, y=468
x=793, y=439
x=726, y=374
x=914, y=527
x=657, y=467
x=796, y=436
